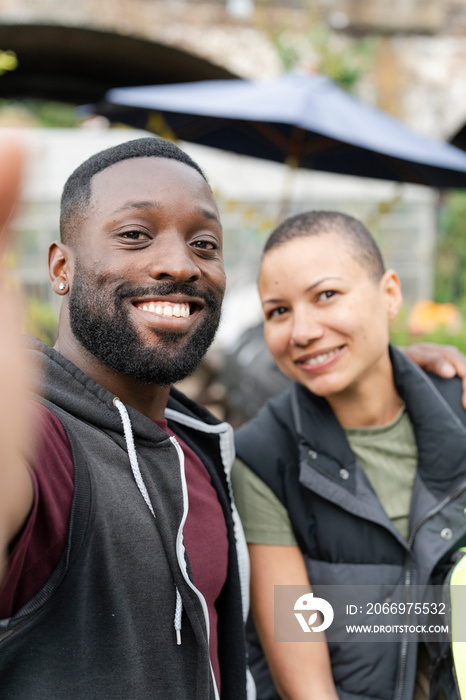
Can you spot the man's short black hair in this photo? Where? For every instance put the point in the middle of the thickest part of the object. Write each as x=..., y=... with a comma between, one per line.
x=77, y=191
x=316, y=223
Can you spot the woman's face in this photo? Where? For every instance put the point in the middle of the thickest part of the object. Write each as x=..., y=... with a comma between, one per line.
x=326, y=318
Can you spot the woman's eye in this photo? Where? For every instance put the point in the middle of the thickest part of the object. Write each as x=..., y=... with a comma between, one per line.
x=279, y=311
x=328, y=294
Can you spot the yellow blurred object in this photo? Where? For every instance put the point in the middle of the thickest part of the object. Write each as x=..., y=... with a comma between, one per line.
x=426, y=316
x=457, y=586
x=158, y=125
x=8, y=61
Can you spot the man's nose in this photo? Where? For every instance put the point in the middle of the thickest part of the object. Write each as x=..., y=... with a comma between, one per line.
x=174, y=259
x=306, y=327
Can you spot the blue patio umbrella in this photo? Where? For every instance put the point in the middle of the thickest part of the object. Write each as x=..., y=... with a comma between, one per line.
x=302, y=119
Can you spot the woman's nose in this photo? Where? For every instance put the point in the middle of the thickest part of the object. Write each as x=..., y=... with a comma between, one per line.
x=306, y=328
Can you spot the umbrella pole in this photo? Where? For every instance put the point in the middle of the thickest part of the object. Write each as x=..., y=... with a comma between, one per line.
x=294, y=150
x=291, y=165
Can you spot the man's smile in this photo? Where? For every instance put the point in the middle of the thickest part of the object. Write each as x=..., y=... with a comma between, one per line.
x=176, y=309
x=165, y=308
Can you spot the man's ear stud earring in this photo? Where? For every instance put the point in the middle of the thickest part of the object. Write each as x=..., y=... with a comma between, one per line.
x=62, y=286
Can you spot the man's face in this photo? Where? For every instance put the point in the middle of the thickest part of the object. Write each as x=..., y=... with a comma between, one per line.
x=148, y=278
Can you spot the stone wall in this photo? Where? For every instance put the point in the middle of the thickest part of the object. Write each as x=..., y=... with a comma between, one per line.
x=418, y=70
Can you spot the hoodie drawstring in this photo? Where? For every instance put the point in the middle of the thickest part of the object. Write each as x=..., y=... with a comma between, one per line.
x=178, y=614
x=128, y=433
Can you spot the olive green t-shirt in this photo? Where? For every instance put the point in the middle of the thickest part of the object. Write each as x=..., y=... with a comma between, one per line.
x=388, y=455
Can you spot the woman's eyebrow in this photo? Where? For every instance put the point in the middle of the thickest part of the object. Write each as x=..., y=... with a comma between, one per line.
x=321, y=281
x=271, y=301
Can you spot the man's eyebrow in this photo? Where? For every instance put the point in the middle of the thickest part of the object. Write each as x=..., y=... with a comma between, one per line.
x=142, y=204
x=138, y=204
x=209, y=214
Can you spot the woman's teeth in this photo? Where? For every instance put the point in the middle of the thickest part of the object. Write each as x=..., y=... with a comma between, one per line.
x=166, y=309
x=320, y=358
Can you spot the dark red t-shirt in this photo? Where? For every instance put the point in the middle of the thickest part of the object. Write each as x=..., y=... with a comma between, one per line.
x=205, y=538
x=40, y=545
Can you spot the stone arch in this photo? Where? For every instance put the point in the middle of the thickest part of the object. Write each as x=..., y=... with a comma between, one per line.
x=78, y=65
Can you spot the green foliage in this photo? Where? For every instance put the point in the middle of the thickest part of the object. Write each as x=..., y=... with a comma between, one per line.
x=346, y=64
x=41, y=321
x=399, y=334
x=8, y=61
x=53, y=114
x=45, y=113
x=342, y=61
x=402, y=337
x=450, y=272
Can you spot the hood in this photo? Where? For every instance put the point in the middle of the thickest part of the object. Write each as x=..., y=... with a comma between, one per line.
x=62, y=383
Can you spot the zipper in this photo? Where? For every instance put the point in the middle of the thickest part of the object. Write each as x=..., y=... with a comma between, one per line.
x=180, y=550
x=430, y=514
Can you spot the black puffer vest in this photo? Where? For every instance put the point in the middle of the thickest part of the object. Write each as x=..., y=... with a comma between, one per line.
x=298, y=448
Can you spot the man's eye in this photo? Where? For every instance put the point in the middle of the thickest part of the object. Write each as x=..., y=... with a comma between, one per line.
x=205, y=245
x=134, y=235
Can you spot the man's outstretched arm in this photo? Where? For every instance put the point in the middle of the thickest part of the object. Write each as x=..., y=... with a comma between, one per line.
x=16, y=490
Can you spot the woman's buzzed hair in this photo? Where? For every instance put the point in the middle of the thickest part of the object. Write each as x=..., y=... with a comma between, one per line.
x=77, y=191
x=317, y=223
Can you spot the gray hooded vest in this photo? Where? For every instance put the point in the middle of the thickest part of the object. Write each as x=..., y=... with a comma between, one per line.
x=106, y=623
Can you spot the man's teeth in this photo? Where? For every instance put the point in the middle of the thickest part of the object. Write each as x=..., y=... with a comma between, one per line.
x=166, y=309
x=320, y=358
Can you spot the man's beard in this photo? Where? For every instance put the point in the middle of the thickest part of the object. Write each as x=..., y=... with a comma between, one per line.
x=102, y=324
